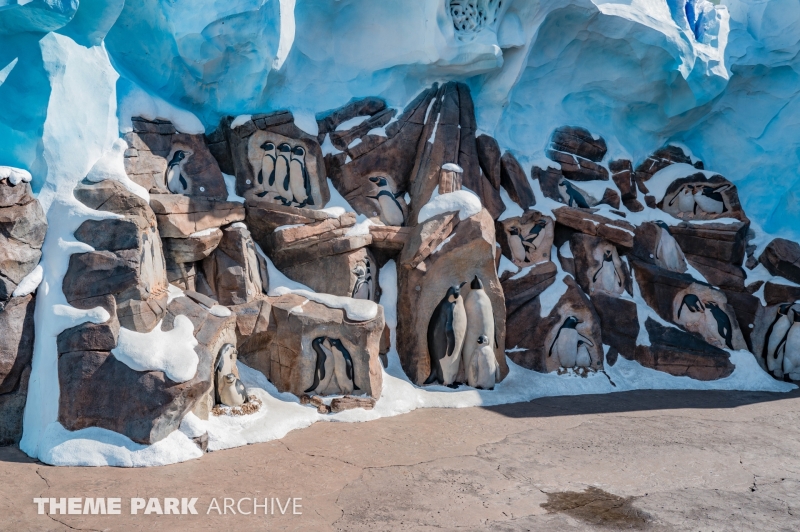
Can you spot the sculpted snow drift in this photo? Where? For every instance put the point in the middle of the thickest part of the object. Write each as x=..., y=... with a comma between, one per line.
x=220, y=226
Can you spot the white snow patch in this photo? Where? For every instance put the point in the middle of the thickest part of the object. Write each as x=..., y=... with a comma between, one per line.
x=661, y=180
x=111, y=167
x=355, y=143
x=205, y=232
x=353, y=122
x=465, y=203
x=452, y=167
x=513, y=210
x=337, y=203
x=169, y=351
x=230, y=186
x=285, y=227
x=566, y=251
x=328, y=147
x=15, y=175
x=553, y=293
x=30, y=282
x=240, y=121
x=135, y=101
x=361, y=228
x=506, y=266
x=442, y=244
x=306, y=121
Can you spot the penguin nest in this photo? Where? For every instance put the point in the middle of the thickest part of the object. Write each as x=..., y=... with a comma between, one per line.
x=252, y=406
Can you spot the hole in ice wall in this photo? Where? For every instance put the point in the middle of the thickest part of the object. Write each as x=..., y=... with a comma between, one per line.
x=471, y=16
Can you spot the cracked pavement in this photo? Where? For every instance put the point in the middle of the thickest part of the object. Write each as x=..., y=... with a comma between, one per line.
x=688, y=460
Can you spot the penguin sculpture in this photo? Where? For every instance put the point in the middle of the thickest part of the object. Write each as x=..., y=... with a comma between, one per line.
x=535, y=234
x=391, y=204
x=229, y=390
x=571, y=196
x=282, y=181
x=668, y=253
x=253, y=270
x=776, y=334
x=565, y=344
x=482, y=370
x=480, y=323
x=691, y=302
x=709, y=198
x=607, y=278
x=719, y=326
x=343, y=367
x=517, y=245
x=446, y=331
x=791, y=351
x=685, y=198
x=175, y=180
x=299, y=182
x=324, y=368
x=363, y=285
x=266, y=176
x=583, y=359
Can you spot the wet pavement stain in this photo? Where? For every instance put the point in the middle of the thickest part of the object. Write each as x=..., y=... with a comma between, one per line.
x=598, y=507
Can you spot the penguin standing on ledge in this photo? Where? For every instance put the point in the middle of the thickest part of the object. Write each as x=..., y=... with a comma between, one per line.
x=392, y=211
x=343, y=367
x=480, y=373
x=565, y=344
x=282, y=182
x=607, y=278
x=446, y=331
x=175, y=180
x=266, y=176
x=298, y=177
x=668, y=253
x=776, y=334
x=517, y=245
x=721, y=328
x=324, y=369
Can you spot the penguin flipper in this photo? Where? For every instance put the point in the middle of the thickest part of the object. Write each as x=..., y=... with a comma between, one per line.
x=319, y=372
x=550, y=352
x=594, y=277
x=587, y=340
x=260, y=177
x=184, y=184
x=350, y=371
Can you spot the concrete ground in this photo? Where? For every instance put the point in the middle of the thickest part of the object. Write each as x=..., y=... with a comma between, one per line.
x=648, y=460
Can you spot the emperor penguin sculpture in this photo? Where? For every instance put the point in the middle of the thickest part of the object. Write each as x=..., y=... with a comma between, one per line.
x=775, y=337
x=709, y=198
x=343, y=367
x=565, y=344
x=607, y=278
x=282, y=182
x=175, y=180
x=298, y=177
x=719, y=324
x=391, y=204
x=324, y=368
x=685, y=198
x=230, y=391
x=480, y=323
x=517, y=245
x=446, y=331
x=482, y=370
x=791, y=351
x=668, y=253
x=571, y=196
x=363, y=285
x=266, y=176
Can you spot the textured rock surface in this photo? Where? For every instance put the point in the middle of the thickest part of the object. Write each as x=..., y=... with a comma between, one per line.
x=234, y=271
x=289, y=360
x=22, y=229
x=782, y=257
x=514, y=180
x=526, y=239
x=180, y=216
x=16, y=341
x=697, y=197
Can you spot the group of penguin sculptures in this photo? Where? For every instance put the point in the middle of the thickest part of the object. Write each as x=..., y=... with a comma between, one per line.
x=781, y=349
x=570, y=347
x=281, y=175
x=334, y=373
x=461, y=339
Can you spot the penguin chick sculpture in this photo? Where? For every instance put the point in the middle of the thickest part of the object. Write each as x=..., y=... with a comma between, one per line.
x=232, y=392
x=343, y=367
x=723, y=331
x=480, y=323
x=391, y=204
x=565, y=344
x=266, y=176
x=446, y=331
x=175, y=180
x=583, y=358
x=482, y=370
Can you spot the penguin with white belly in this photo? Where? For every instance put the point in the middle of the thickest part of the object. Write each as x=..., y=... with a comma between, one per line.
x=607, y=278
x=282, y=176
x=709, y=199
x=343, y=367
x=480, y=323
x=229, y=390
x=392, y=205
x=685, y=198
x=446, y=331
x=363, y=285
x=791, y=351
x=175, y=179
x=324, y=368
x=535, y=234
x=668, y=253
x=482, y=370
x=299, y=182
x=565, y=344
x=583, y=359
x=517, y=245
x=776, y=334
x=266, y=176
